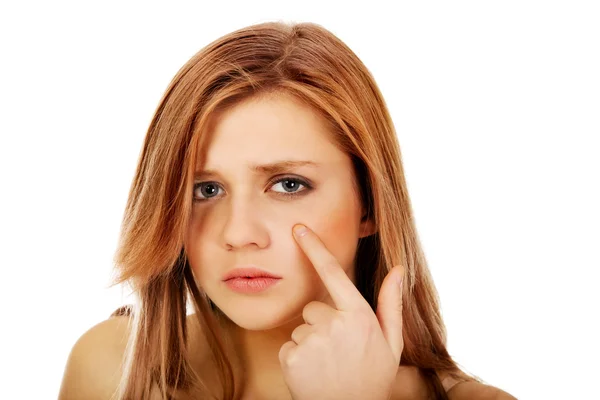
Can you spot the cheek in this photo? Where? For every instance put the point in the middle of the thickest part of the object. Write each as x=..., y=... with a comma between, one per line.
x=338, y=229
x=196, y=247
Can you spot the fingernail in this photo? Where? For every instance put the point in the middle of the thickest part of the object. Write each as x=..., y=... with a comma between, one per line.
x=300, y=230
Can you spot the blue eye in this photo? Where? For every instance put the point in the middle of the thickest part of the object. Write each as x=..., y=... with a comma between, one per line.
x=206, y=188
x=287, y=182
x=290, y=186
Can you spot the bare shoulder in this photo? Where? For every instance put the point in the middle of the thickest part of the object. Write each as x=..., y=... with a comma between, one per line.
x=410, y=384
x=473, y=390
x=94, y=366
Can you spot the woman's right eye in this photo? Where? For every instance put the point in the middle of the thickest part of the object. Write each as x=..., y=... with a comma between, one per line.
x=205, y=189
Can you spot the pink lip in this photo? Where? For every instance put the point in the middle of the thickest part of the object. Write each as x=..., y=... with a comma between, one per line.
x=249, y=272
x=251, y=285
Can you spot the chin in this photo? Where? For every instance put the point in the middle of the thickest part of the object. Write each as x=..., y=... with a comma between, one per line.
x=256, y=324
x=261, y=315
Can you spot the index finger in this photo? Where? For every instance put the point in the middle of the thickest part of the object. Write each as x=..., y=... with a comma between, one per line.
x=343, y=292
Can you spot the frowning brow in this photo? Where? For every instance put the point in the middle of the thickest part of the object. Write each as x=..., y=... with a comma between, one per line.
x=264, y=169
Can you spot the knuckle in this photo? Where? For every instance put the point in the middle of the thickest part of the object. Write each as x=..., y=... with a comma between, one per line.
x=311, y=305
x=309, y=309
x=287, y=356
x=319, y=342
x=298, y=333
x=337, y=325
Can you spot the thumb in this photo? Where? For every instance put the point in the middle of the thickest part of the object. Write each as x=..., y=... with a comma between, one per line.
x=389, y=310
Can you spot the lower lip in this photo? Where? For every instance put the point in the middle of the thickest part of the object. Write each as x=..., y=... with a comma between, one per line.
x=251, y=285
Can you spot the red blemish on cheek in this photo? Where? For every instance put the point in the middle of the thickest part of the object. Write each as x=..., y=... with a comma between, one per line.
x=339, y=231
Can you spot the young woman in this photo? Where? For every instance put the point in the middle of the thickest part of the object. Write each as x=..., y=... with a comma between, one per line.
x=271, y=127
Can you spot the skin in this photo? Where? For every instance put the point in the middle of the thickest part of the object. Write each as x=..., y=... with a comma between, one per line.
x=247, y=219
x=249, y=222
x=344, y=351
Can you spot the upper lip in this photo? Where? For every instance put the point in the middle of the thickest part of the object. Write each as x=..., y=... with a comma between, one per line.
x=248, y=272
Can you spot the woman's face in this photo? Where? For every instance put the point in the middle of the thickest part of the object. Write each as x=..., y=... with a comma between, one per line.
x=245, y=216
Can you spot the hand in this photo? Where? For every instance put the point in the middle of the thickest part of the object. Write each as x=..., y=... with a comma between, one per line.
x=346, y=352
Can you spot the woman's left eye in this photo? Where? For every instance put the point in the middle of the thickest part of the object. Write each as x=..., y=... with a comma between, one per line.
x=289, y=185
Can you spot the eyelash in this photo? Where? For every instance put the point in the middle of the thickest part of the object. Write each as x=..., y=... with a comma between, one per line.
x=273, y=182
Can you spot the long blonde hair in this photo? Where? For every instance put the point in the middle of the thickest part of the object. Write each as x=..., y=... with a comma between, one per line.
x=312, y=64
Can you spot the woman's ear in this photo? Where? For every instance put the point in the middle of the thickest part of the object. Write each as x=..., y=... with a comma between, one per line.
x=367, y=227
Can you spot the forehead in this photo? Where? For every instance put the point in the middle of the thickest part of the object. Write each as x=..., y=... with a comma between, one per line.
x=268, y=128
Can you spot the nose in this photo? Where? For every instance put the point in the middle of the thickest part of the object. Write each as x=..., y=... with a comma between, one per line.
x=244, y=226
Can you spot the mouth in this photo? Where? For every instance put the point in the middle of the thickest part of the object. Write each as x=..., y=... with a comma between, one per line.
x=248, y=279
x=249, y=272
x=252, y=284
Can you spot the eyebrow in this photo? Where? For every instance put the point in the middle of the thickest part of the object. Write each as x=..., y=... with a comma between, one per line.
x=266, y=169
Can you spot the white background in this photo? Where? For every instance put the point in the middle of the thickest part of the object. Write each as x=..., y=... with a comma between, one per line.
x=497, y=108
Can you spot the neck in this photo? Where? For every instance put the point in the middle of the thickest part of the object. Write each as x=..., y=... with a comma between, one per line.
x=257, y=366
